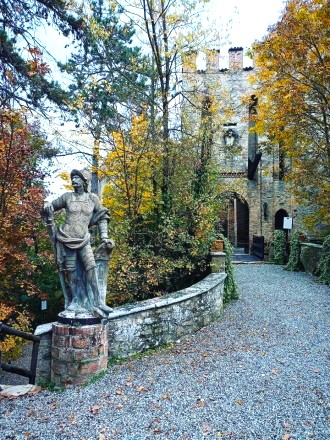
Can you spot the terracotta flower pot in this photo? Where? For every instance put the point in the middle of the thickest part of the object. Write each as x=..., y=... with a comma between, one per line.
x=217, y=246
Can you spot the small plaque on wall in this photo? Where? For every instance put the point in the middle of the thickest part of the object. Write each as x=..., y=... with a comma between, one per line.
x=43, y=305
x=287, y=223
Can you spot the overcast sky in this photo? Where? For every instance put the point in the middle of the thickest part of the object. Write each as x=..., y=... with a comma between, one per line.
x=241, y=22
x=249, y=18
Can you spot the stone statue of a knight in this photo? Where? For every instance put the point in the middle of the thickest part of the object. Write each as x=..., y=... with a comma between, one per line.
x=79, y=268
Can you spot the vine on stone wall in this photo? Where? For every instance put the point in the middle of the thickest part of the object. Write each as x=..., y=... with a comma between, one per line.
x=279, y=247
x=230, y=286
x=324, y=264
x=294, y=263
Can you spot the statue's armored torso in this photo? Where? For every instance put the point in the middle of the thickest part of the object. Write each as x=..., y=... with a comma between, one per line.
x=79, y=211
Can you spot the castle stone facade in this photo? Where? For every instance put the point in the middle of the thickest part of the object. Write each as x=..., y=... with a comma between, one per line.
x=258, y=199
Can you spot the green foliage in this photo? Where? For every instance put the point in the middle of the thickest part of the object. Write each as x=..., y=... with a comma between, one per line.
x=106, y=72
x=96, y=378
x=324, y=264
x=279, y=247
x=160, y=248
x=26, y=75
x=52, y=387
x=230, y=287
x=294, y=263
x=151, y=258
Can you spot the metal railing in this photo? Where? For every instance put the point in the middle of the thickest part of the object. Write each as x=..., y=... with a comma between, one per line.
x=29, y=373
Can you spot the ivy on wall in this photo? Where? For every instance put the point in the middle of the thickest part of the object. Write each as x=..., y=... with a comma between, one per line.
x=324, y=264
x=279, y=247
x=230, y=286
x=294, y=263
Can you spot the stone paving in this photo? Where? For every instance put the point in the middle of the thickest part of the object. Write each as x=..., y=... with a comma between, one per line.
x=261, y=372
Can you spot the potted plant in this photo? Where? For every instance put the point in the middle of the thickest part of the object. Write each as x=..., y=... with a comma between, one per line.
x=217, y=245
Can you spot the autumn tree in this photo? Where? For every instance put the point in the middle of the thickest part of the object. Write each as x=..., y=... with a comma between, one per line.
x=155, y=253
x=293, y=73
x=107, y=81
x=168, y=32
x=22, y=147
x=162, y=185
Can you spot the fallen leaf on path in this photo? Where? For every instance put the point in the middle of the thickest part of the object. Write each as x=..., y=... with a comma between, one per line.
x=239, y=402
x=72, y=418
x=94, y=409
x=206, y=429
x=201, y=403
x=141, y=388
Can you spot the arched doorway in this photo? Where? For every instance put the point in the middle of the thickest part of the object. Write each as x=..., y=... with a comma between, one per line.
x=279, y=218
x=235, y=222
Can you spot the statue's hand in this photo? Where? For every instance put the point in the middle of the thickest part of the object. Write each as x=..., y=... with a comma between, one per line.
x=109, y=243
x=48, y=208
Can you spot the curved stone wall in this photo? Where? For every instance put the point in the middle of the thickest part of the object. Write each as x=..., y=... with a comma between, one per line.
x=137, y=327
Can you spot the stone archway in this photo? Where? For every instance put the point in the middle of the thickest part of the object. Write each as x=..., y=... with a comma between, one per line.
x=235, y=222
x=279, y=217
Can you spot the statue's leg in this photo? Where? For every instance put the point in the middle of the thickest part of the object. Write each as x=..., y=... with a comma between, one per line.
x=71, y=270
x=73, y=284
x=98, y=303
x=87, y=257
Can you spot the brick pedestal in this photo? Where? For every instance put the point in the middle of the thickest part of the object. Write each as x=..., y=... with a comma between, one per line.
x=218, y=262
x=78, y=353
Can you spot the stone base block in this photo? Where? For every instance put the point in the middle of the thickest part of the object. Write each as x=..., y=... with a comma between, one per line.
x=218, y=262
x=78, y=353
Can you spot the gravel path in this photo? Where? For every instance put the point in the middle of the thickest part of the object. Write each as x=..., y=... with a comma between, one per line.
x=261, y=372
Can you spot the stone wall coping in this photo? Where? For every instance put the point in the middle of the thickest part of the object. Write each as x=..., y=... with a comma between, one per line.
x=205, y=285
x=156, y=303
x=43, y=329
x=315, y=245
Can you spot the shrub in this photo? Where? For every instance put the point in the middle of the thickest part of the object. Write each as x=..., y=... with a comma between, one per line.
x=230, y=286
x=324, y=264
x=294, y=263
x=279, y=247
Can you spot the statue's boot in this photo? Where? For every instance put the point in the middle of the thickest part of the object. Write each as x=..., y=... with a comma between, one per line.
x=74, y=306
x=99, y=312
x=105, y=308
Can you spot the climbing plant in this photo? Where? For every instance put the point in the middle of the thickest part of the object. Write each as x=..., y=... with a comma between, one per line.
x=279, y=247
x=230, y=286
x=324, y=264
x=294, y=263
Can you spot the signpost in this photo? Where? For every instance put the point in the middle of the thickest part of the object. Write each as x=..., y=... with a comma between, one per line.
x=287, y=222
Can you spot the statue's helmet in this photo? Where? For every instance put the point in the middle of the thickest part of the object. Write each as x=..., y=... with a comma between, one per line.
x=85, y=175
